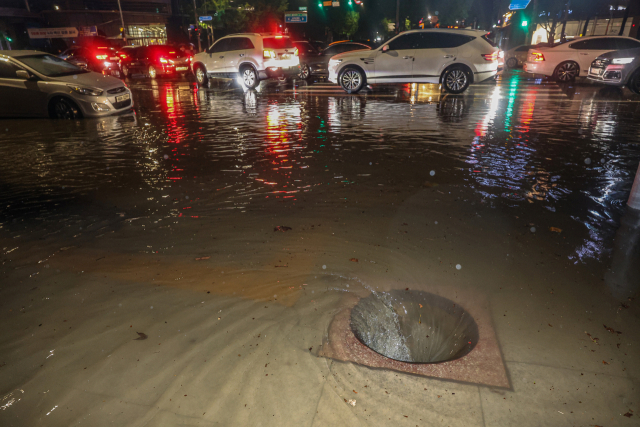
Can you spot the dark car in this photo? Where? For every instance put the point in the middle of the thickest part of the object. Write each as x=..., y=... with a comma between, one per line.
x=306, y=51
x=618, y=68
x=317, y=65
x=154, y=61
x=93, y=58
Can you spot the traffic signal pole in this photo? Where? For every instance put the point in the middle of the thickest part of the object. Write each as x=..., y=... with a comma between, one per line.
x=124, y=30
x=195, y=29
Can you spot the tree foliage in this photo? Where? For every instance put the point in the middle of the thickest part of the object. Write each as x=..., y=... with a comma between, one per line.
x=344, y=23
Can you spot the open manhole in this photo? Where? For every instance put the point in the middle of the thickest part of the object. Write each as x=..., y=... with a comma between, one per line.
x=414, y=327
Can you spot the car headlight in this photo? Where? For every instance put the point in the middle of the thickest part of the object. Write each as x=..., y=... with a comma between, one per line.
x=623, y=60
x=86, y=90
x=335, y=61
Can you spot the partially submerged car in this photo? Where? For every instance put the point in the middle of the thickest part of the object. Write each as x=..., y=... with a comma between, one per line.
x=618, y=68
x=37, y=84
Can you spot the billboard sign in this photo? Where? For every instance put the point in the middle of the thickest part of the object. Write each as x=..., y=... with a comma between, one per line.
x=50, y=33
x=205, y=18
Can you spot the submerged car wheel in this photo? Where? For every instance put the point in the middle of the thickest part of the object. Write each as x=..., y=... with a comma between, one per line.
x=634, y=83
x=566, y=72
x=249, y=77
x=62, y=108
x=201, y=75
x=304, y=71
x=512, y=62
x=455, y=80
x=152, y=72
x=351, y=79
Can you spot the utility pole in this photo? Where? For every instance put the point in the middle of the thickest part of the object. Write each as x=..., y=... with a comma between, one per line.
x=124, y=30
x=26, y=3
x=397, y=16
x=195, y=29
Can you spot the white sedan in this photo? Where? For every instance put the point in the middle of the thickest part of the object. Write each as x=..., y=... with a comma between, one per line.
x=572, y=59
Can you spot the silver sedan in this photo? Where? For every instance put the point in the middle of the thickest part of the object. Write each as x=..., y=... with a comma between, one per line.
x=36, y=84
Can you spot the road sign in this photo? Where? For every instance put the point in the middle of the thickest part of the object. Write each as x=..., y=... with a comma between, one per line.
x=302, y=8
x=519, y=4
x=335, y=4
x=326, y=3
x=295, y=17
x=205, y=18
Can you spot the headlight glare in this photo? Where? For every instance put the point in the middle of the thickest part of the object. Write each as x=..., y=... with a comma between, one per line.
x=623, y=60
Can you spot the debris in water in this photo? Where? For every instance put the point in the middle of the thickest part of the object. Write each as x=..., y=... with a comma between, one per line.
x=628, y=414
x=202, y=257
x=324, y=267
x=282, y=228
x=612, y=330
x=595, y=340
x=458, y=267
x=351, y=402
x=605, y=363
x=354, y=260
x=142, y=336
x=555, y=229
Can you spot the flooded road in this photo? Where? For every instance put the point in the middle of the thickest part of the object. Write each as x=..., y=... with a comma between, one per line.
x=184, y=264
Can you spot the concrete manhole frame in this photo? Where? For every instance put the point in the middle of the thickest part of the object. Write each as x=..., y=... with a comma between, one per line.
x=482, y=365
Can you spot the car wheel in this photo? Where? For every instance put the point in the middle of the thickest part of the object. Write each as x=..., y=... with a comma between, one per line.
x=566, y=72
x=304, y=71
x=249, y=77
x=125, y=71
x=512, y=62
x=634, y=83
x=62, y=108
x=201, y=75
x=351, y=79
x=152, y=72
x=455, y=80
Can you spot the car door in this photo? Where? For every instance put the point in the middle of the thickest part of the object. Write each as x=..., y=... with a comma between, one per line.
x=589, y=50
x=434, y=52
x=26, y=97
x=236, y=50
x=394, y=61
x=214, y=61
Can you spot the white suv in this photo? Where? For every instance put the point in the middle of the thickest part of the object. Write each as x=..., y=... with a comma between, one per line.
x=251, y=56
x=569, y=60
x=454, y=58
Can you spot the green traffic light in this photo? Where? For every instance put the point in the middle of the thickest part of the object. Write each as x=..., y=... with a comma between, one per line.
x=320, y=4
x=349, y=2
x=525, y=23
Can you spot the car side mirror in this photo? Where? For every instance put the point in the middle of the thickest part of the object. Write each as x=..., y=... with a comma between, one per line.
x=23, y=74
x=385, y=48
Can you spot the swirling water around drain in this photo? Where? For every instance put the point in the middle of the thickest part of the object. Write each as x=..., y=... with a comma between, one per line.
x=414, y=327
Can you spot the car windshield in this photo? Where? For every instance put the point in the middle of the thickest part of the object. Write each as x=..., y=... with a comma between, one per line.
x=51, y=66
x=277, y=43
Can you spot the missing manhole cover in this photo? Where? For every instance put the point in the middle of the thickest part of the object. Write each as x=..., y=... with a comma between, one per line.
x=414, y=327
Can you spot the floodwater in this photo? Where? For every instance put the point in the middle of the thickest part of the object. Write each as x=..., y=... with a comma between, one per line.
x=182, y=265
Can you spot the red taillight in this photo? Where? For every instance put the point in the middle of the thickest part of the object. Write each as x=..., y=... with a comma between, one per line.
x=188, y=59
x=123, y=56
x=164, y=61
x=101, y=57
x=278, y=37
x=537, y=56
x=490, y=56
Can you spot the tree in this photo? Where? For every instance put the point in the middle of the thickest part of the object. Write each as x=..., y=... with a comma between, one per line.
x=344, y=23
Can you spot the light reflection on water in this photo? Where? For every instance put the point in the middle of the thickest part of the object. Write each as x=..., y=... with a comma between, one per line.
x=191, y=152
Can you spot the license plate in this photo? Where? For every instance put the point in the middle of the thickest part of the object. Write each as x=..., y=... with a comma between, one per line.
x=182, y=68
x=122, y=97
